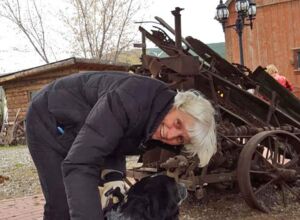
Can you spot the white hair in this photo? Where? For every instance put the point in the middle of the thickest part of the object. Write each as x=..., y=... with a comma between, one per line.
x=203, y=133
x=271, y=69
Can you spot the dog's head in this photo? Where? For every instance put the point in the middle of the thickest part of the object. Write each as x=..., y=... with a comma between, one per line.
x=154, y=197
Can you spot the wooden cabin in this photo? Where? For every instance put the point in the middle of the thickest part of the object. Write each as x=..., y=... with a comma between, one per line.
x=274, y=39
x=21, y=86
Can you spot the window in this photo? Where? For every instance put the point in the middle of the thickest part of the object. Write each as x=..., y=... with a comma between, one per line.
x=31, y=94
x=297, y=59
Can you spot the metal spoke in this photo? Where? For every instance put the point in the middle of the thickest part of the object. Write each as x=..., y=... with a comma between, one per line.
x=259, y=172
x=276, y=154
x=269, y=146
x=264, y=186
x=289, y=149
x=268, y=151
x=284, y=152
x=291, y=190
x=265, y=160
x=255, y=158
x=281, y=157
x=283, y=194
x=263, y=173
x=291, y=163
x=293, y=155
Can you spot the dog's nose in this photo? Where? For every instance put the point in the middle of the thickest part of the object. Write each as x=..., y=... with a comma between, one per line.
x=182, y=192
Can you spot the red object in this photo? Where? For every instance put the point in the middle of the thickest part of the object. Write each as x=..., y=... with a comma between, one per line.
x=283, y=81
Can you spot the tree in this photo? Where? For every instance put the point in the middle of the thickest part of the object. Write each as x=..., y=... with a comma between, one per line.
x=99, y=29
x=102, y=29
x=28, y=19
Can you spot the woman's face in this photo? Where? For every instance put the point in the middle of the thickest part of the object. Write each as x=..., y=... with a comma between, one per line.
x=173, y=129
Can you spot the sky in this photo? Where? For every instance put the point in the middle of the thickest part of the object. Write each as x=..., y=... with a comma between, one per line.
x=197, y=20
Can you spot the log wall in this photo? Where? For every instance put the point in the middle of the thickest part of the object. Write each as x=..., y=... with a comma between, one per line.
x=18, y=91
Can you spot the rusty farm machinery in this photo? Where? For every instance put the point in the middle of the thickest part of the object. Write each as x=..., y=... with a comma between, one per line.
x=258, y=132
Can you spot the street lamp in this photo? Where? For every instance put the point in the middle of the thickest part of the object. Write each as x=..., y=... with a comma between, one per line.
x=245, y=9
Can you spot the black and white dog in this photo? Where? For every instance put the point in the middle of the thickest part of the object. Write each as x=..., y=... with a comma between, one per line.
x=156, y=197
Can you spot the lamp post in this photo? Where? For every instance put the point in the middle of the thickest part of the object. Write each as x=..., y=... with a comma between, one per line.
x=246, y=10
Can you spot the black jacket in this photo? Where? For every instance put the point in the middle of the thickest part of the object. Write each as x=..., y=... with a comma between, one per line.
x=110, y=114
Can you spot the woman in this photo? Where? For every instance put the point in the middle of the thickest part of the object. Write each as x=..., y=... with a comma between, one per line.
x=282, y=80
x=79, y=129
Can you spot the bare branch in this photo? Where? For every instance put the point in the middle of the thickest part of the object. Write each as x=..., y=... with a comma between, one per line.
x=31, y=27
x=126, y=18
x=87, y=31
x=102, y=28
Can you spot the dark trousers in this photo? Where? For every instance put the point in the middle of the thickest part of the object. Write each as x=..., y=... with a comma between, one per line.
x=43, y=146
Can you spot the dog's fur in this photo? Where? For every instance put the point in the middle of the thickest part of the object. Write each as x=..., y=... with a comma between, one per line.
x=155, y=198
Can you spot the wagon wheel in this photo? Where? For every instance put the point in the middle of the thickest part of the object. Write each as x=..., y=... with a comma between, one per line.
x=269, y=170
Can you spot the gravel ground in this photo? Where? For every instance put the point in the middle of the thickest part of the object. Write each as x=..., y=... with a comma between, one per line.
x=17, y=166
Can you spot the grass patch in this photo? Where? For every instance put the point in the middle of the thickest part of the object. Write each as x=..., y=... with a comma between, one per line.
x=12, y=147
x=19, y=165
